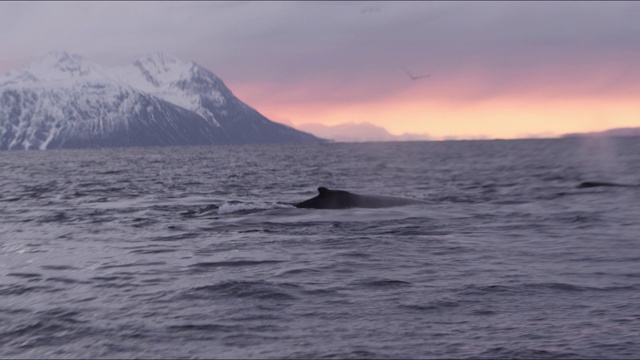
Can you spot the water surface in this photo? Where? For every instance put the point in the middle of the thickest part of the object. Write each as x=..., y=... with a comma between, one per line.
x=195, y=252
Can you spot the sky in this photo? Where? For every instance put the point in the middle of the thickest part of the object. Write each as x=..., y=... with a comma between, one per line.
x=496, y=69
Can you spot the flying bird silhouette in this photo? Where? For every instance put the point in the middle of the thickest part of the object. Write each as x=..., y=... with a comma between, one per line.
x=414, y=77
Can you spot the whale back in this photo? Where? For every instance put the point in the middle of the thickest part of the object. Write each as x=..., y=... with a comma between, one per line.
x=328, y=199
x=340, y=199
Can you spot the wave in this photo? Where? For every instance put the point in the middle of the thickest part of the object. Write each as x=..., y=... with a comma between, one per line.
x=233, y=207
x=501, y=352
x=382, y=283
x=536, y=287
x=17, y=290
x=262, y=290
x=206, y=266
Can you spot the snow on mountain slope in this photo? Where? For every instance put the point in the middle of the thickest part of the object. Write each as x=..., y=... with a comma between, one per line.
x=92, y=114
x=164, y=76
x=62, y=100
x=53, y=68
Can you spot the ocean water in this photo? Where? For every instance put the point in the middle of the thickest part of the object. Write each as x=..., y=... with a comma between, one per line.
x=194, y=252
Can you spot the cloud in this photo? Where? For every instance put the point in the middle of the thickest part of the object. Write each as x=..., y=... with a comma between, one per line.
x=287, y=43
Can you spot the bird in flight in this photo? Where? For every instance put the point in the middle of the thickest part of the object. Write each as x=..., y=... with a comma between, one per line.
x=414, y=77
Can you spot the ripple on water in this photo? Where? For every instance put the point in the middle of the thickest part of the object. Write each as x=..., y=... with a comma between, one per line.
x=47, y=328
x=28, y=276
x=262, y=290
x=533, y=288
x=59, y=267
x=213, y=265
x=20, y=289
x=124, y=253
x=381, y=283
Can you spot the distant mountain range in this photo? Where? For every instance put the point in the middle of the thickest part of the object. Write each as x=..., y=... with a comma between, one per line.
x=64, y=101
x=358, y=132
x=620, y=132
x=367, y=132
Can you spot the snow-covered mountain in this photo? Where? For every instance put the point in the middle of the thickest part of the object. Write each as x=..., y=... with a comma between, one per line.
x=64, y=101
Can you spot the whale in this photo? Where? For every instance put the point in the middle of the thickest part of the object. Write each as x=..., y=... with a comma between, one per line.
x=591, y=184
x=341, y=199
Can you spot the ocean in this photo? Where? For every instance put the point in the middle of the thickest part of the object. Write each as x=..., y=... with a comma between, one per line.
x=196, y=252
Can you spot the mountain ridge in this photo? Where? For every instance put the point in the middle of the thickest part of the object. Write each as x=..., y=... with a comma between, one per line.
x=616, y=132
x=64, y=101
x=358, y=132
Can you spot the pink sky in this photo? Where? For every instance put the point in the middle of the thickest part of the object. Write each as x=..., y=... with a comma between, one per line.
x=545, y=99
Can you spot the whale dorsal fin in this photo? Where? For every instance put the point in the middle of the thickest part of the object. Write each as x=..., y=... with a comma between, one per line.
x=323, y=191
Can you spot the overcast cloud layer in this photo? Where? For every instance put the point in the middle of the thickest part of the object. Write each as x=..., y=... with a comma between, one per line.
x=299, y=52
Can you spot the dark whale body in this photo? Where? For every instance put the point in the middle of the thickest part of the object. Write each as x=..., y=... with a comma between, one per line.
x=340, y=199
x=590, y=184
